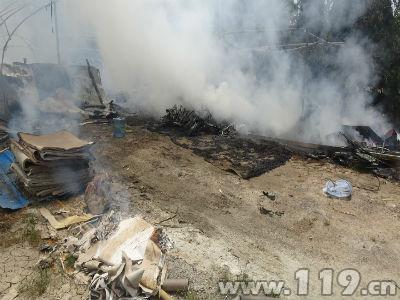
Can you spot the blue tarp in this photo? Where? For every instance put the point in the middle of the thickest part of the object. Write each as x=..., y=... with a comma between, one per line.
x=10, y=196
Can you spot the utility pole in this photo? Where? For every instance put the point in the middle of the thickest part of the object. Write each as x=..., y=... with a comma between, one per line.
x=218, y=20
x=57, y=33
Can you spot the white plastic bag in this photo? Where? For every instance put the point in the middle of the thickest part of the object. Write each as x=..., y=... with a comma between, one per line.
x=340, y=189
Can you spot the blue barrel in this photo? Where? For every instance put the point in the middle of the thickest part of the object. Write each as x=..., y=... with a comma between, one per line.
x=119, y=127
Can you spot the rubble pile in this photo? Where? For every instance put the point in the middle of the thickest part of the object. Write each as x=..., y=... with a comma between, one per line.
x=120, y=258
x=194, y=122
x=52, y=165
x=360, y=155
x=379, y=160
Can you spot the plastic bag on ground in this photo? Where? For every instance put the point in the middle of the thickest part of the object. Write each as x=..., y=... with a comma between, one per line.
x=340, y=189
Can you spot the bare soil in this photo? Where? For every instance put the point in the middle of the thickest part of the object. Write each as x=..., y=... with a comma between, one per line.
x=215, y=218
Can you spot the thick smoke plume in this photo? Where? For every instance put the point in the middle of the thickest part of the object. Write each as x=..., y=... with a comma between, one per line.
x=224, y=56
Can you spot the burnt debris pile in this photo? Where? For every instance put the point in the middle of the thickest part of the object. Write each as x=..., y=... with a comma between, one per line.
x=51, y=165
x=380, y=161
x=244, y=156
x=364, y=150
x=367, y=151
x=250, y=156
x=195, y=122
x=220, y=144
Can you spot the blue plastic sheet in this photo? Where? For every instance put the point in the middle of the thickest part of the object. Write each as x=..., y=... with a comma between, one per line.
x=10, y=196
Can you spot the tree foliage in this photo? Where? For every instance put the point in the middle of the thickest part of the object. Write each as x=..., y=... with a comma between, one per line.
x=378, y=24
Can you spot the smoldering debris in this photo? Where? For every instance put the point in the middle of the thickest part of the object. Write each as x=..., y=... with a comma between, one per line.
x=52, y=165
x=244, y=156
x=362, y=134
x=251, y=155
x=219, y=143
x=376, y=159
x=120, y=258
x=195, y=122
x=359, y=154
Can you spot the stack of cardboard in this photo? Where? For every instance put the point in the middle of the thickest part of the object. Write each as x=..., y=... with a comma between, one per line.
x=52, y=165
x=4, y=138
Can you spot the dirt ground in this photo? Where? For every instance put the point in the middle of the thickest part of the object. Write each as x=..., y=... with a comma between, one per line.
x=216, y=223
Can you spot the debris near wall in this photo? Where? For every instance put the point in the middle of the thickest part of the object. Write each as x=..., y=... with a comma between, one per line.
x=52, y=165
x=195, y=122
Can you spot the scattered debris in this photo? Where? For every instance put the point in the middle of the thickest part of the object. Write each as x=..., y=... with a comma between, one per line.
x=52, y=165
x=392, y=140
x=362, y=134
x=356, y=155
x=45, y=248
x=45, y=263
x=175, y=285
x=245, y=156
x=64, y=223
x=126, y=264
x=195, y=122
x=340, y=189
x=270, y=212
x=242, y=155
x=343, y=212
x=167, y=219
x=270, y=195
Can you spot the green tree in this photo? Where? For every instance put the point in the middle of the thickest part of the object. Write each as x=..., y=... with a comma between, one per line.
x=380, y=24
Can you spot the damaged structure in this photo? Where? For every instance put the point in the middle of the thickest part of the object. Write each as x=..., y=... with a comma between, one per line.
x=56, y=92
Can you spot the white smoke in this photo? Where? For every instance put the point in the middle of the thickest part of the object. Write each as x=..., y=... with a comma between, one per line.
x=223, y=56
x=188, y=51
